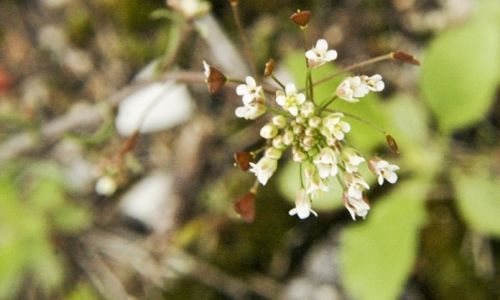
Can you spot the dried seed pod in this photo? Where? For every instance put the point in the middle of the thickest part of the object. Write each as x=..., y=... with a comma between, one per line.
x=245, y=207
x=301, y=17
x=391, y=142
x=405, y=57
x=242, y=160
x=215, y=79
x=268, y=70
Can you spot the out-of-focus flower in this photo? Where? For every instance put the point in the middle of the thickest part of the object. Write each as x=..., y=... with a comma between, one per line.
x=319, y=54
x=264, y=169
x=105, y=186
x=373, y=83
x=250, y=91
x=190, y=8
x=352, y=89
x=302, y=206
x=290, y=100
x=384, y=170
x=356, y=206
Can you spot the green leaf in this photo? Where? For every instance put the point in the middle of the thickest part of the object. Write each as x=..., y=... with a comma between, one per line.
x=378, y=255
x=460, y=73
x=478, y=199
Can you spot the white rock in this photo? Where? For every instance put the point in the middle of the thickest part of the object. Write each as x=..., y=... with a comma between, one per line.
x=161, y=105
x=152, y=202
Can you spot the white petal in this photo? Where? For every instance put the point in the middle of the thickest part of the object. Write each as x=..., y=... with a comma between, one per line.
x=392, y=177
x=380, y=179
x=250, y=82
x=248, y=98
x=241, y=90
x=290, y=89
x=292, y=211
x=310, y=54
x=321, y=45
x=331, y=55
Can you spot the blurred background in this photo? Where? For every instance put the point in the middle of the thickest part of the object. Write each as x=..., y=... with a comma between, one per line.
x=89, y=209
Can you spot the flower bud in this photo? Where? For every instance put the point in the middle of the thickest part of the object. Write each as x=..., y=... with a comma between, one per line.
x=314, y=122
x=298, y=155
x=288, y=137
x=310, y=131
x=273, y=153
x=278, y=142
x=301, y=18
x=268, y=131
x=309, y=141
x=300, y=119
x=307, y=109
x=297, y=129
x=279, y=121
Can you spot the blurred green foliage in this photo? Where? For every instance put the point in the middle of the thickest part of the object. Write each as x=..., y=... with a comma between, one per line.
x=34, y=211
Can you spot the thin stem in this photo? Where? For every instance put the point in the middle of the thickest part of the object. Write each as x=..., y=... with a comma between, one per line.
x=375, y=126
x=246, y=45
x=255, y=187
x=278, y=81
x=355, y=66
x=341, y=181
x=301, y=178
x=326, y=103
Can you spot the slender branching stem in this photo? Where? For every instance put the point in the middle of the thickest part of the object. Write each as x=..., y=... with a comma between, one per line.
x=355, y=66
x=327, y=102
x=375, y=126
x=247, y=48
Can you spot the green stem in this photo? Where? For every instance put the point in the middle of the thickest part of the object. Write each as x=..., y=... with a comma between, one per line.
x=278, y=81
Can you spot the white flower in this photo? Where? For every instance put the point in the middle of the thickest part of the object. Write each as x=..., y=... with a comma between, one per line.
x=250, y=111
x=351, y=89
x=384, y=170
x=264, y=169
x=355, y=185
x=313, y=182
x=373, y=83
x=290, y=100
x=326, y=162
x=298, y=155
x=352, y=159
x=190, y=8
x=273, y=153
x=319, y=55
x=356, y=206
x=249, y=91
x=334, y=128
x=302, y=206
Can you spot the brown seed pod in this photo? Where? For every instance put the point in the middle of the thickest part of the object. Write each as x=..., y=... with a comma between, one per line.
x=301, y=17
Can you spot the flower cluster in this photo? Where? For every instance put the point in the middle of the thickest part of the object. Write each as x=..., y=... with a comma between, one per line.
x=314, y=133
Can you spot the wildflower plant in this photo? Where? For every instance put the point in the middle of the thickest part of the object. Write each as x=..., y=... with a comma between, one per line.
x=310, y=132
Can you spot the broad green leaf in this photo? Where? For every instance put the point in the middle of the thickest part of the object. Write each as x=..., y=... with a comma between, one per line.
x=377, y=255
x=478, y=199
x=461, y=72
